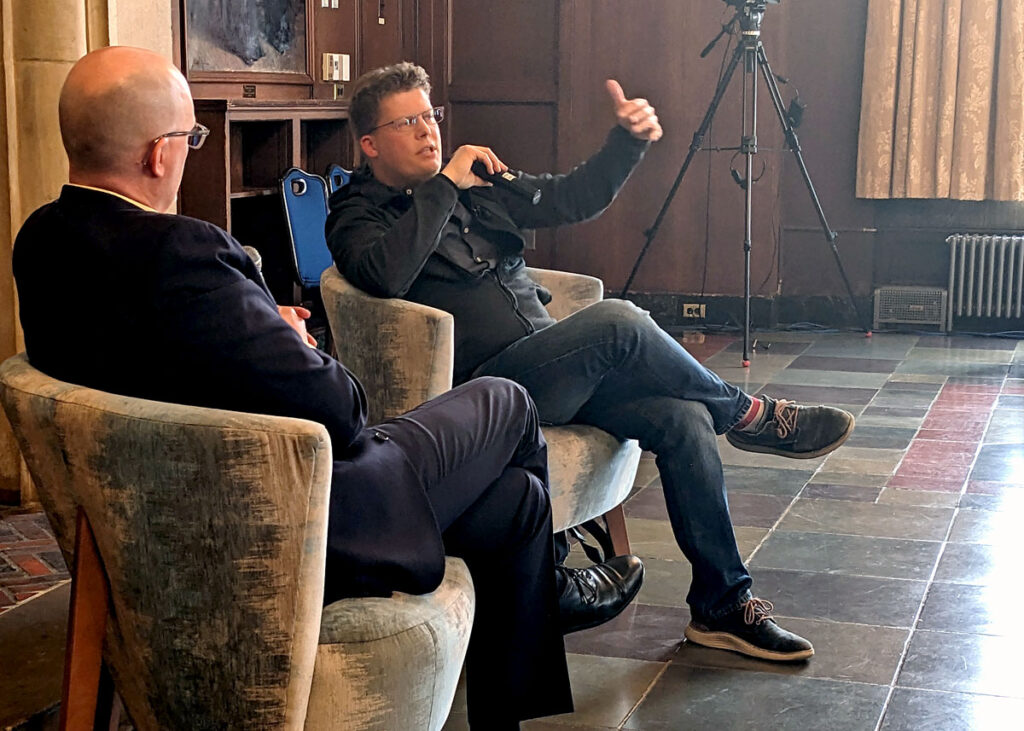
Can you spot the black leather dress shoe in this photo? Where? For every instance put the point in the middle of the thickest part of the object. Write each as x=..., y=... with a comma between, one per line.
x=594, y=595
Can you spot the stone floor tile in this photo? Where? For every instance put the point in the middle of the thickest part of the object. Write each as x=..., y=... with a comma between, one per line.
x=772, y=344
x=876, y=465
x=766, y=480
x=965, y=433
x=688, y=697
x=975, y=563
x=641, y=632
x=605, y=690
x=867, y=519
x=896, y=384
x=890, y=422
x=820, y=394
x=972, y=369
x=1000, y=463
x=826, y=476
x=880, y=437
x=936, y=379
x=960, y=355
x=1002, y=529
x=1014, y=402
x=924, y=498
x=971, y=609
x=855, y=365
x=852, y=493
x=649, y=503
x=757, y=511
x=665, y=582
x=964, y=663
x=902, y=412
x=842, y=651
x=654, y=539
x=902, y=400
x=827, y=379
x=851, y=555
x=914, y=710
x=839, y=598
x=969, y=342
x=1006, y=427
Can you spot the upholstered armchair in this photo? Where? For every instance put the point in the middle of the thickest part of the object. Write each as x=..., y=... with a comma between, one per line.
x=197, y=539
x=403, y=353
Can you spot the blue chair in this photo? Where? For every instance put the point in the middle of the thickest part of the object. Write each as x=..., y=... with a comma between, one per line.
x=305, y=209
x=337, y=177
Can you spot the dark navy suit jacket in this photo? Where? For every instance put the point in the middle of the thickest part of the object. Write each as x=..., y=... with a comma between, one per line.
x=170, y=308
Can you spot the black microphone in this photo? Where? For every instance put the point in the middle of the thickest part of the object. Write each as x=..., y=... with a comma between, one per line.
x=509, y=180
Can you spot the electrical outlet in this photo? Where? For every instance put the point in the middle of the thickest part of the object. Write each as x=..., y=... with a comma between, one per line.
x=694, y=311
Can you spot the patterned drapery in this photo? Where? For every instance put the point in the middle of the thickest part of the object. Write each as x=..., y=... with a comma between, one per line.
x=942, y=107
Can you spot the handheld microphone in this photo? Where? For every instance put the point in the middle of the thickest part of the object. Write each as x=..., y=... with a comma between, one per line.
x=509, y=180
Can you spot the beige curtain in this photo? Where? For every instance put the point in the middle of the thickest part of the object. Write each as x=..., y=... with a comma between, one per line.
x=942, y=108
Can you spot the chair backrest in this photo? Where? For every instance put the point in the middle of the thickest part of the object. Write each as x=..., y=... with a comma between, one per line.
x=337, y=177
x=211, y=527
x=402, y=352
x=305, y=209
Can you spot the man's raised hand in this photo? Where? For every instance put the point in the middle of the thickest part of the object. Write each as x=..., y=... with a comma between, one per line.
x=458, y=168
x=634, y=115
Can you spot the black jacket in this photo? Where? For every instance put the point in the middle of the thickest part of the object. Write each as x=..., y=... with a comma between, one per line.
x=170, y=308
x=385, y=241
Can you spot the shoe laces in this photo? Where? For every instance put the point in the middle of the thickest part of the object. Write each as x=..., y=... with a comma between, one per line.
x=584, y=582
x=757, y=611
x=785, y=418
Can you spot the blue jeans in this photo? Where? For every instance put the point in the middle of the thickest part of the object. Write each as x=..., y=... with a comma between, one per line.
x=611, y=366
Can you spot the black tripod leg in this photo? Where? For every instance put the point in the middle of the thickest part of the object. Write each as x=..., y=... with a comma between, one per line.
x=794, y=145
x=695, y=146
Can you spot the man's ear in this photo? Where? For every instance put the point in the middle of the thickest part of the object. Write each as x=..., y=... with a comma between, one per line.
x=156, y=163
x=369, y=146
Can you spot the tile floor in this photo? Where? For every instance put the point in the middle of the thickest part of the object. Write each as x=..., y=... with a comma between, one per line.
x=895, y=555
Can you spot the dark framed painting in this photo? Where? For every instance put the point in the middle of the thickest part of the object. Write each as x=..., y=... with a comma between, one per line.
x=253, y=40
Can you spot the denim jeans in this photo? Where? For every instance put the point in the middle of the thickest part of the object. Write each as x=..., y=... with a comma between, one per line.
x=611, y=366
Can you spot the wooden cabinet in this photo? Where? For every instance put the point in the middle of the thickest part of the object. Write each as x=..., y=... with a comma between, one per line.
x=234, y=179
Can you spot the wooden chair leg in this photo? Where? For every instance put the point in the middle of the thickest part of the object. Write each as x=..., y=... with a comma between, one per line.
x=616, y=522
x=87, y=624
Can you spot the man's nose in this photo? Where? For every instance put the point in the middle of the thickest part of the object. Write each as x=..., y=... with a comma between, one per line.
x=421, y=129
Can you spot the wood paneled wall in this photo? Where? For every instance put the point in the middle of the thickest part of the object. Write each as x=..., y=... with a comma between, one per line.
x=527, y=78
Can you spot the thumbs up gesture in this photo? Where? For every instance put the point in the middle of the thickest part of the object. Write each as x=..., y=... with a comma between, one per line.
x=635, y=115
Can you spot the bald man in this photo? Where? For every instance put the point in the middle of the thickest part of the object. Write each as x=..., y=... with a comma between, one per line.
x=160, y=306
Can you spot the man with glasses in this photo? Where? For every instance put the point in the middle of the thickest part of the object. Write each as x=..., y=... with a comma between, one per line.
x=156, y=305
x=412, y=224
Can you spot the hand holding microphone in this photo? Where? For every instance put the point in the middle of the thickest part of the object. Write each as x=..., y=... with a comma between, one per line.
x=468, y=168
x=508, y=180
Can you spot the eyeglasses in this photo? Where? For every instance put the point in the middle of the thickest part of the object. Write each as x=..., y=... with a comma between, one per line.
x=430, y=117
x=194, y=138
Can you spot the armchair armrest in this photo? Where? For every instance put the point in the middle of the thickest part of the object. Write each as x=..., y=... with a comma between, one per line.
x=402, y=352
x=569, y=292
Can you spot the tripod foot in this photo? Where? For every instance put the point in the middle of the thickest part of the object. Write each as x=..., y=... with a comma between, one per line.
x=746, y=364
x=867, y=334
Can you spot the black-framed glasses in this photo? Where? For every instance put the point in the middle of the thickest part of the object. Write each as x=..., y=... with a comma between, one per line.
x=194, y=138
x=430, y=117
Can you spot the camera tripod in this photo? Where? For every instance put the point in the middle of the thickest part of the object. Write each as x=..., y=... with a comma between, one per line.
x=750, y=51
